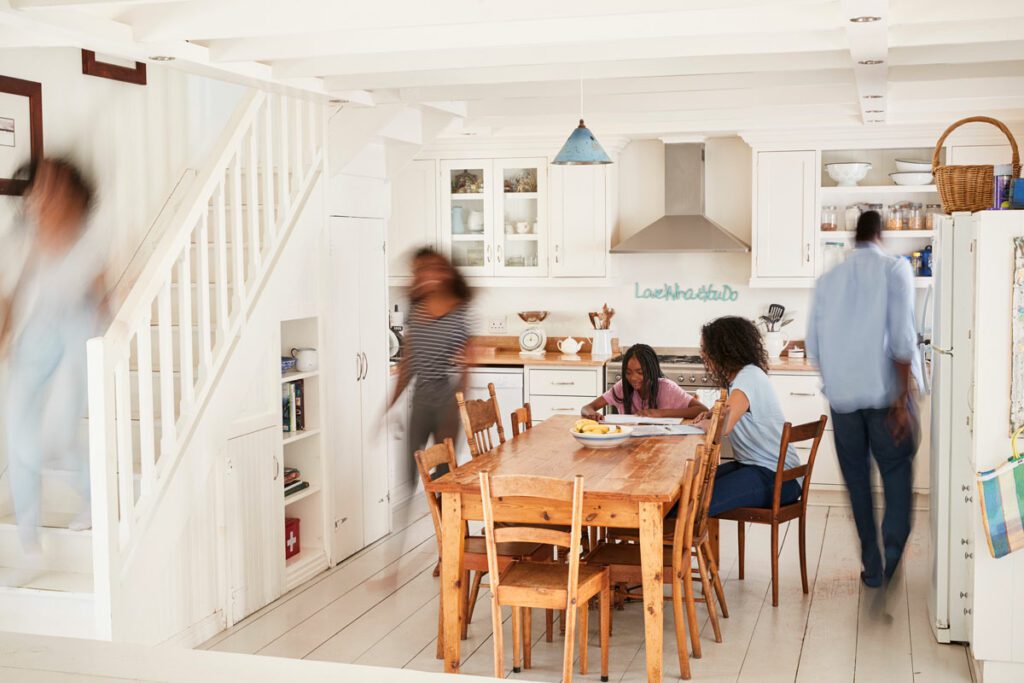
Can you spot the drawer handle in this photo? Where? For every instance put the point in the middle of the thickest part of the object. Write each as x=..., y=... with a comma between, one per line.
x=801, y=393
x=563, y=384
x=571, y=410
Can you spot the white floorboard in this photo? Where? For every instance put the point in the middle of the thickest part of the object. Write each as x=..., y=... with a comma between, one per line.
x=380, y=608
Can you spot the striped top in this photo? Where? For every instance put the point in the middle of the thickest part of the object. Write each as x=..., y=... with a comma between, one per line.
x=435, y=346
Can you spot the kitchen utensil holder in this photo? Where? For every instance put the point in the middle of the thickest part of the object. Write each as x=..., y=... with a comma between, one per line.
x=969, y=188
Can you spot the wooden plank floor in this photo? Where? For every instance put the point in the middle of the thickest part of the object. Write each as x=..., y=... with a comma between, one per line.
x=380, y=609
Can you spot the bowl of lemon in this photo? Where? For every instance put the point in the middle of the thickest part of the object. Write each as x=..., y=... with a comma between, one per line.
x=593, y=434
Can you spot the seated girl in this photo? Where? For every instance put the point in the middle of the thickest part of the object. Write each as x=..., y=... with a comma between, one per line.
x=644, y=391
x=734, y=355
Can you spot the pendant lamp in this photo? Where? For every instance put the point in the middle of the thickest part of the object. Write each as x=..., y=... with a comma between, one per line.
x=582, y=148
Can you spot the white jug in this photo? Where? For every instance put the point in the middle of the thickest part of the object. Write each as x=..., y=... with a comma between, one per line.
x=305, y=359
x=569, y=346
x=774, y=343
x=601, y=344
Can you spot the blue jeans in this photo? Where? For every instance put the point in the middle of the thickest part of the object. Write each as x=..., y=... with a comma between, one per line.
x=739, y=486
x=857, y=435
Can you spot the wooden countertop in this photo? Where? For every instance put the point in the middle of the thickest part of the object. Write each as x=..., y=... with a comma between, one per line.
x=794, y=365
x=511, y=357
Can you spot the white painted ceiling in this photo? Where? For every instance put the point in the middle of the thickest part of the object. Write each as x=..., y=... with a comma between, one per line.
x=647, y=67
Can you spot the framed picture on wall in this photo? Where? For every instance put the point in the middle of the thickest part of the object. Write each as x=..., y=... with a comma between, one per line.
x=21, y=129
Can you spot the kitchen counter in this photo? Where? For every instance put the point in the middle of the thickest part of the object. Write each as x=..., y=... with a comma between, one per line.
x=511, y=357
x=792, y=365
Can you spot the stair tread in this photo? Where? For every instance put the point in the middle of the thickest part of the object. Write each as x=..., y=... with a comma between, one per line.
x=57, y=521
x=48, y=581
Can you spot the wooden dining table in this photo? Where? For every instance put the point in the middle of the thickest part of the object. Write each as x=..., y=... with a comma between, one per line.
x=630, y=486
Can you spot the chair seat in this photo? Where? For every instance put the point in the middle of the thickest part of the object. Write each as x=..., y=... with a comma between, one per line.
x=624, y=554
x=545, y=584
x=478, y=545
x=763, y=515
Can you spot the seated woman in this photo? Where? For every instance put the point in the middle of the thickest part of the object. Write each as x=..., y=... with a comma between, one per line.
x=645, y=391
x=735, y=357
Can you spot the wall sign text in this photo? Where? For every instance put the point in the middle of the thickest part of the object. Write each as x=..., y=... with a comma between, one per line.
x=676, y=292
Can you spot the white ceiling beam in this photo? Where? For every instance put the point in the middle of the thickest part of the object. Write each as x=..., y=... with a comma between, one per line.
x=59, y=4
x=966, y=30
x=554, y=54
x=982, y=51
x=866, y=28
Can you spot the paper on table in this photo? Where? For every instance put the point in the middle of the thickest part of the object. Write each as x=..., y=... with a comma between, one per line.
x=667, y=430
x=617, y=419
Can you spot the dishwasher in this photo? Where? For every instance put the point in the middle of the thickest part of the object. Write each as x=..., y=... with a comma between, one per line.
x=508, y=387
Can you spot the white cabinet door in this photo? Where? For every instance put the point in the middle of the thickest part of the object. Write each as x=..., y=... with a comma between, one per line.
x=254, y=510
x=785, y=221
x=579, y=227
x=966, y=155
x=467, y=214
x=413, y=220
x=520, y=217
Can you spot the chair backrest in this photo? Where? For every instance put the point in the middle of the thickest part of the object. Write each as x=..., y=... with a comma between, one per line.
x=438, y=454
x=809, y=431
x=707, y=486
x=522, y=419
x=478, y=417
x=557, y=492
x=716, y=425
x=687, y=505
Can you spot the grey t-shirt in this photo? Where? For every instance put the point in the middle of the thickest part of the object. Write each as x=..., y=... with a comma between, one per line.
x=757, y=435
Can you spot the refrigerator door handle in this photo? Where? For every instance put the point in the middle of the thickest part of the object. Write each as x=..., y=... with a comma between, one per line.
x=944, y=352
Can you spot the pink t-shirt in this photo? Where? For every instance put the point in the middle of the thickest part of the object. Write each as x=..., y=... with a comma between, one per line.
x=670, y=397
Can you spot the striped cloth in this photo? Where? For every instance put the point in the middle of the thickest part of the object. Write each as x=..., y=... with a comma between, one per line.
x=1002, y=504
x=435, y=346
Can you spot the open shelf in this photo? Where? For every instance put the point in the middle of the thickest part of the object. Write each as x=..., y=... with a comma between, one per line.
x=467, y=195
x=524, y=237
x=304, y=566
x=301, y=495
x=878, y=189
x=520, y=195
x=886, y=234
x=293, y=376
x=299, y=436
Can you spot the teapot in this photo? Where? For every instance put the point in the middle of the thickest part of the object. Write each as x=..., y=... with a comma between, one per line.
x=305, y=359
x=569, y=346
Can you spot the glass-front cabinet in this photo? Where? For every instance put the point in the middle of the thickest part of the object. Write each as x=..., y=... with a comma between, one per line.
x=494, y=216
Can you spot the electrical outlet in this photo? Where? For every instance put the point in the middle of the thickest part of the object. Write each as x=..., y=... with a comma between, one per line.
x=497, y=325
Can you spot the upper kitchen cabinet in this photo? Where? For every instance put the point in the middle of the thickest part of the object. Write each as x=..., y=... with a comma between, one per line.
x=784, y=218
x=413, y=220
x=579, y=221
x=467, y=214
x=520, y=217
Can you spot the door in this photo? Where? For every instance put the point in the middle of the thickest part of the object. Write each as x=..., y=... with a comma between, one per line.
x=520, y=217
x=373, y=341
x=785, y=200
x=967, y=155
x=579, y=227
x=413, y=220
x=467, y=214
x=254, y=516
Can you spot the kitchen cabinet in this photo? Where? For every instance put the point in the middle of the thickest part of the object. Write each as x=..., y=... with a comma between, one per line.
x=467, y=214
x=561, y=390
x=356, y=341
x=784, y=218
x=413, y=218
x=401, y=468
x=579, y=221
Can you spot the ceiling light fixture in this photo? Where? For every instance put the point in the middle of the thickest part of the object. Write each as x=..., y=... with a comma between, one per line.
x=864, y=20
x=582, y=148
x=870, y=62
x=162, y=58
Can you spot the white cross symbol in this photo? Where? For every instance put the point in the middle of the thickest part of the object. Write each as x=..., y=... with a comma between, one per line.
x=292, y=540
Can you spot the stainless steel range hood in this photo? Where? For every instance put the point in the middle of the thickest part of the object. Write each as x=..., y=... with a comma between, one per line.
x=684, y=227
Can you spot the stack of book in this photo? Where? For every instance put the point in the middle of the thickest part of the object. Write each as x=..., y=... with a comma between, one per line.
x=293, y=417
x=292, y=481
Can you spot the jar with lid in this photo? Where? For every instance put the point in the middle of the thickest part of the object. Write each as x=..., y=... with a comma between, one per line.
x=894, y=217
x=932, y=214
x=853, y=212
x=829, y=218
x=915, y=217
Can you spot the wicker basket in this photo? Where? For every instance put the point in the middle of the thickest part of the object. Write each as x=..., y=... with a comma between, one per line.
x=969, y=188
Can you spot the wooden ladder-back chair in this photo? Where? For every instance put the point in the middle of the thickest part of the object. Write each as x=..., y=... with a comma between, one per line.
x=778, y=513
x=522, y=419
x=624, y=562
x=525, y=584
x=475, y=555
x=478, y=417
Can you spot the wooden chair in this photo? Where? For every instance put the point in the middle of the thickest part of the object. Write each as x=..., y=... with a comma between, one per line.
x=478, y=417
x=778, y=513
x=525, y=584
x=624, y=564
x=475, y=555
x=522, y=419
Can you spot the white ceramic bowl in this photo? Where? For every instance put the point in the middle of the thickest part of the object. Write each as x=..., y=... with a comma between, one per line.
x=912, y=178
x=848, y=174
x=907, y=166
x=603, y=440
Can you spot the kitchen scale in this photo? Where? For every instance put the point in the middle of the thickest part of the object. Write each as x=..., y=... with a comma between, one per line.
x=533, y=340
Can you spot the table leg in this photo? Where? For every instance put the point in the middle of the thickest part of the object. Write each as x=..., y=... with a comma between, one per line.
x=652, y=561
x=452, y=545
x=713, y=539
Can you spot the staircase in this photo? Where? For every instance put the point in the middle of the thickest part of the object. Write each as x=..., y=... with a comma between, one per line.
x=152, y=374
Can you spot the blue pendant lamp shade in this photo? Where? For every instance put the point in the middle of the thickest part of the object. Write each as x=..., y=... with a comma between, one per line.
x=582, y=148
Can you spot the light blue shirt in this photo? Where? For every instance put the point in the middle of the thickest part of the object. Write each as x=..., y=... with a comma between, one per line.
x=862, y=321
x=757, y=435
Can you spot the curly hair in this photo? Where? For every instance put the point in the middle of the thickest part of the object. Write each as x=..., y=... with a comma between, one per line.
x=729, y=344
x=458, y=287
x=649, y=365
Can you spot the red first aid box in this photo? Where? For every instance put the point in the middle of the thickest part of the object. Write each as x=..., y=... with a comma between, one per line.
x=291, y=537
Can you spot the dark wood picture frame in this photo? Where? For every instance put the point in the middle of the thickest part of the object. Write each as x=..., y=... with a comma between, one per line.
x=92, y=67
x=34, y=92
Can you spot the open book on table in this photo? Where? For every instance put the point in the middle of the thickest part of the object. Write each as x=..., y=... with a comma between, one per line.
x=666, y=430
x=619, y=419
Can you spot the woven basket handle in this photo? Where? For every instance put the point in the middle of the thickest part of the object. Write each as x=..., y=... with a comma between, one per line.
x=977, y=119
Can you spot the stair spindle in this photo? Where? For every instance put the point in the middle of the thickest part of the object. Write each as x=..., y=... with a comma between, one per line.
x=203, y=292
x=185, y=327
x=252, y=200
x=237, y=241
x=221, y=261
x=165, y=341
x=144, y=367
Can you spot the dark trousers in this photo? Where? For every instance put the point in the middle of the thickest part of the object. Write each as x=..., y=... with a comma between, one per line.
x=857, y=434
x=434, y=414
x=741, y=486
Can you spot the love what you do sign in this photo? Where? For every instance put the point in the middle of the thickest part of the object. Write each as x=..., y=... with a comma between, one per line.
x=677, y=292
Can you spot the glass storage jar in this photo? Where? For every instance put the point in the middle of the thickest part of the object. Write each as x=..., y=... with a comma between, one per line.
x=829, y=218
x=915, y=217
x=932, y=214
x=893, y=217
x=853, y=212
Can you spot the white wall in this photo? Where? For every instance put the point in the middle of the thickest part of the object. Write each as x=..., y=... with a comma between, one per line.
x=136, y=141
